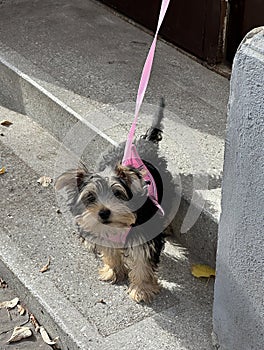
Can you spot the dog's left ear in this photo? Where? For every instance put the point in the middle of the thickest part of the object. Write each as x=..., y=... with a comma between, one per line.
x=71, y=180
x=127, y=174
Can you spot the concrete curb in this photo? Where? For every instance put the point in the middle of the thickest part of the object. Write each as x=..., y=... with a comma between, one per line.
x=50, y=306
x=29, y=91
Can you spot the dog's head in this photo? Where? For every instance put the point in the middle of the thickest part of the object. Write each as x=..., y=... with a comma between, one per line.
x=107, y=201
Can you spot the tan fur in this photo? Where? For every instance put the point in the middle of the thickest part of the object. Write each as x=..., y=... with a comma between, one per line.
x=142, y=275
x=133, y=178
x=125, y=173
x=114, y=269
x=120, y=219
x=135, y=264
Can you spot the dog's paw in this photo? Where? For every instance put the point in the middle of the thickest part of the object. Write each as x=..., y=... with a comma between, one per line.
x=107, y=274
x=144, y=292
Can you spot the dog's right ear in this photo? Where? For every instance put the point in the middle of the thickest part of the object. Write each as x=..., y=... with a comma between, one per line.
x=71, y=180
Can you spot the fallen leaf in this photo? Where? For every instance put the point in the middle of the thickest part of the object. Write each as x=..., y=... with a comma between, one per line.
x=45, y=267
x=35, y=323
x=42, y=331
x=3, y=283
x=6, y=123
x=9, y=304
x=21, y=310
x=46, y=337
x=20, y=333
x=2, y=170
x=202, y=271
x=45, y=181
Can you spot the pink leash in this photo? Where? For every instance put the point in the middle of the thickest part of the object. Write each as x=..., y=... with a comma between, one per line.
x=131, y=156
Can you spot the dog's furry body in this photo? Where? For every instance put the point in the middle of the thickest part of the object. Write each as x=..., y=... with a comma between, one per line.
x=116, y=216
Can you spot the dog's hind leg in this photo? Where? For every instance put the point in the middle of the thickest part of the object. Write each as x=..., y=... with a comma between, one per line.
x=113, y=270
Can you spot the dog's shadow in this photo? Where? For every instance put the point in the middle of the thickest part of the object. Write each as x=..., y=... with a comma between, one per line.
x=173, y=274
x=184, y=305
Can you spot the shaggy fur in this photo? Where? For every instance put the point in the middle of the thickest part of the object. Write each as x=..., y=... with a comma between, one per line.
x=114, y=213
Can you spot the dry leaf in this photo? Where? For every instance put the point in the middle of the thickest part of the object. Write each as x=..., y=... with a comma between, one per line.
x=45, y=267
x=9, y=304
x=6, y=123
x=3, y=283
x=20, y=333
x=21, y=310
x=2, y=170
x=45, y=181
x=42, y=331
x=35, y=323
x=202, y=271
x=46, y=337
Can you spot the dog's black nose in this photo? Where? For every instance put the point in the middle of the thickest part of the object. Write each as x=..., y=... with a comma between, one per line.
x=104, y=214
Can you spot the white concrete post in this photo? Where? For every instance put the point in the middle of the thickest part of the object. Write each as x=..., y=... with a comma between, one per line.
x=239, y=288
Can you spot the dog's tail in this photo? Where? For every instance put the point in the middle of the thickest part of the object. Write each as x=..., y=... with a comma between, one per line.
x=154, y=134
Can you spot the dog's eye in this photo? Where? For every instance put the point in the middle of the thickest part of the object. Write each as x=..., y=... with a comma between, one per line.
x=119, y=194
x=91, y=198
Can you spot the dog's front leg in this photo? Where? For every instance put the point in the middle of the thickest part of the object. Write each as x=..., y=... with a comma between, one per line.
x=113, y=270
x=142, y=275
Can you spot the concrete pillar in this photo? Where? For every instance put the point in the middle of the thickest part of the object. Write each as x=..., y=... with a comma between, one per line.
x=239, y=288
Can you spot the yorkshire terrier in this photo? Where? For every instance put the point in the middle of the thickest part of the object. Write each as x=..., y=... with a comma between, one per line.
x=115, y=214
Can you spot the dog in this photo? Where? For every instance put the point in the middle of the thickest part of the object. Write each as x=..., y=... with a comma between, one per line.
x=115, y=214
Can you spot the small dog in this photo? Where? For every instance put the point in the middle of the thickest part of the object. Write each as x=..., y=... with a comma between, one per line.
x=115, y=214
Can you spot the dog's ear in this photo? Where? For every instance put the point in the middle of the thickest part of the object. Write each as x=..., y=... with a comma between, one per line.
x=128, y=174
x=131, y=176
x=71, y=179
x=121, y=171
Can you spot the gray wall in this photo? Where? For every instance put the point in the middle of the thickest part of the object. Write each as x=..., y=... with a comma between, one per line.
x=239, y=287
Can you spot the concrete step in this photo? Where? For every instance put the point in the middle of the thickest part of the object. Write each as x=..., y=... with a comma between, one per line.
x=74, y=67
x=69, y=299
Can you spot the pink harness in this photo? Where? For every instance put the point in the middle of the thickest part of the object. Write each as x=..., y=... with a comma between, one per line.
x=131, y=156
